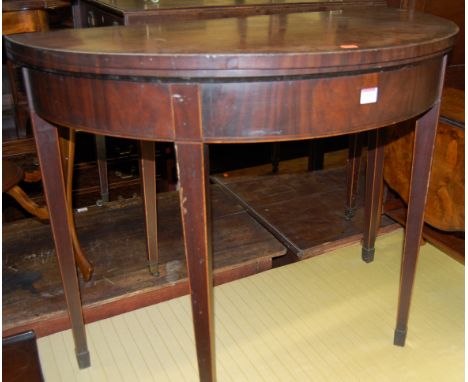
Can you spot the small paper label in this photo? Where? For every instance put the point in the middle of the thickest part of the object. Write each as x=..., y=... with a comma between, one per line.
x=369, y=95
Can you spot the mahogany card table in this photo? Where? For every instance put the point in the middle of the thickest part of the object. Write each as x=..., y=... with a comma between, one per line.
x=250, y=79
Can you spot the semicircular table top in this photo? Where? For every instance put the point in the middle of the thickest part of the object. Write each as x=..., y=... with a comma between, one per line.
x=288, y=44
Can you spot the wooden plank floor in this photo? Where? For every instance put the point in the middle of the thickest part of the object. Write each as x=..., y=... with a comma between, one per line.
x=327, y=318
x=113, y=237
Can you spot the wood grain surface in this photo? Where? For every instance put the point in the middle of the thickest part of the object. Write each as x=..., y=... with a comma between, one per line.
x=298, y=43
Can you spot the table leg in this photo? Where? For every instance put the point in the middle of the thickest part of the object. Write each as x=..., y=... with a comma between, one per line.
x=192, y=159
x=275, y=157
x=352, y=174
x=48, y=150
x=148, y=181
x=374, y=192
x=424, y=139
x=316, y=155
x=101, y=159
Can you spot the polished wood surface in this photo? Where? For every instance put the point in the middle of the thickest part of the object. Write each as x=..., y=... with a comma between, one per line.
x=355, y=40
x=24, y=21
x=259, y=78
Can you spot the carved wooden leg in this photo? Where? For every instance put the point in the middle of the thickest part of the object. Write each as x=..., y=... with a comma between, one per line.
x=148, y=180
x=374, y=191
x=101, y=155
x=352, y=168
x=20, y=196
x=275, y=157
x=67, y=148
x=192, y=161
x=47, y=144
x=424, y=139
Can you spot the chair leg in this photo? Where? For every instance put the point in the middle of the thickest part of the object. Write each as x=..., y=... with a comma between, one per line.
x=352, y=168
x=316, y=156
x=374, y=191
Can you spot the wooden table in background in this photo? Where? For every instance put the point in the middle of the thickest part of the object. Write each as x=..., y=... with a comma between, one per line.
x=251, y=79
x=95, y=13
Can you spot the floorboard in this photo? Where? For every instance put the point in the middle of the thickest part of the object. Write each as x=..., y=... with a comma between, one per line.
x=113, y=237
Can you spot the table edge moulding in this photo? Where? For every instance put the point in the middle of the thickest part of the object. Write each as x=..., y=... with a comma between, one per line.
x=253, y=79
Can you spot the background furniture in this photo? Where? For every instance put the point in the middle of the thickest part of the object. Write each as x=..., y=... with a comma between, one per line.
x=19, y=16
x=21, y=358
x=445, y=210
x=11, y=176
x=453, y=10
x=26, y=17
x=95, y=13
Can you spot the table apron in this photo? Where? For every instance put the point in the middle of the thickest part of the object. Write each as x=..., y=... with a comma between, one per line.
x=241, y=111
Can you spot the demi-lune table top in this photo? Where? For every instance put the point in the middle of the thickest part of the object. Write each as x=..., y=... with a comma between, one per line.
x=257, y=46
